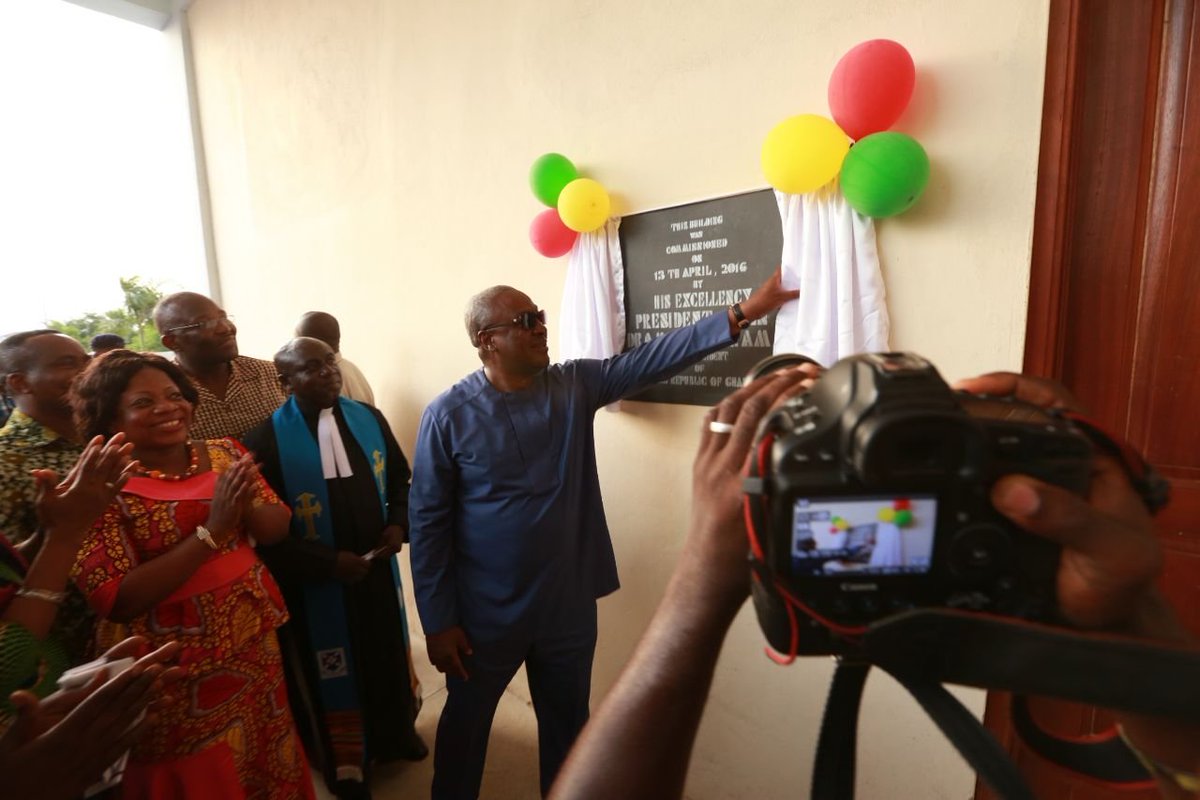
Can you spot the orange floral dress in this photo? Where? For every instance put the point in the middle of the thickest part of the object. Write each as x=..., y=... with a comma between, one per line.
x=227, y=732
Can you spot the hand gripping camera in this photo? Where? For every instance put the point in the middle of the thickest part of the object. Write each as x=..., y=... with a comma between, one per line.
x=873, y=538
x=871, y=496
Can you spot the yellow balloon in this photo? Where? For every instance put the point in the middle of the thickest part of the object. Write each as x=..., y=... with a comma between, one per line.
x=583, y=205
x=803, y=153
x=887, y=515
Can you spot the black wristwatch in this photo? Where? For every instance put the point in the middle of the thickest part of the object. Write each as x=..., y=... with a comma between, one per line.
x=738, y=317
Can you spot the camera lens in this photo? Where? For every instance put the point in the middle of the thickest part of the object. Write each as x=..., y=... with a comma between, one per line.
x=978, y=551
x=777, y=362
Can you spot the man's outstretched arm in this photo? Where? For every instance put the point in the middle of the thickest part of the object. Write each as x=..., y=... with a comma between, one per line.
x=665, y=356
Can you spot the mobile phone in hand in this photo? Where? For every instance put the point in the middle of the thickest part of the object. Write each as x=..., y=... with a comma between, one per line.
x=80, y=676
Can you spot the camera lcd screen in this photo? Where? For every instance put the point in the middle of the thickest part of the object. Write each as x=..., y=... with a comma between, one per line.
x=876, y=535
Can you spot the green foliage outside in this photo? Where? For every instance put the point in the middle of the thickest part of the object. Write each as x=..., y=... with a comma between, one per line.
x=132, y=322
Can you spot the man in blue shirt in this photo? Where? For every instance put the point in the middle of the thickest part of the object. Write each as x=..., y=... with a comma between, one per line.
x=509, y=543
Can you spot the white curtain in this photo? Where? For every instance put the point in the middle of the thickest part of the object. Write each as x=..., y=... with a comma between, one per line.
x=593, y=303
x=829, y=254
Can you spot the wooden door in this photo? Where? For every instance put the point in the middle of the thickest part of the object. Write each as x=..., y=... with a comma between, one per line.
x=1114, y=309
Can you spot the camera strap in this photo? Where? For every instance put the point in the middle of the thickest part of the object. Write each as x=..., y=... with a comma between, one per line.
x=837, y=745
x=1152, y=487
x=1105, y=757
x=992, y=652
x=833, y=771
x=927, y=648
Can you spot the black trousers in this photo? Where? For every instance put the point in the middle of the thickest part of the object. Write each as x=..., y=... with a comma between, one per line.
x=559, y=666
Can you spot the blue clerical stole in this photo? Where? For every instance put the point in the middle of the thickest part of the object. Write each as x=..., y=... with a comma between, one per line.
x=304, y=484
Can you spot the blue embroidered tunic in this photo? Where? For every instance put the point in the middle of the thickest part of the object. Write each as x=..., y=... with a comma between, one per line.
x=507, y=525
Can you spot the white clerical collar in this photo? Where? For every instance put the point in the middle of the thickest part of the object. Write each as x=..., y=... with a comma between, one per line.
x=334, y=461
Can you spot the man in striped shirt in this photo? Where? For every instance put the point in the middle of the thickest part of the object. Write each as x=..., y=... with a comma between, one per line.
x=236, y=392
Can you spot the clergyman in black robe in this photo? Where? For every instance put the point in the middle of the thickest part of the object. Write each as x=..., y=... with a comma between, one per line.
x=388, y=693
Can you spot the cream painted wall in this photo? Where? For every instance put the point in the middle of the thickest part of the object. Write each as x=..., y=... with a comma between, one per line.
x=370, y=158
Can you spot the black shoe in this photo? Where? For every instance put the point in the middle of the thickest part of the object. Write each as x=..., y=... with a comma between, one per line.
x=415, y=749
x=412, y=748
x=351, y=790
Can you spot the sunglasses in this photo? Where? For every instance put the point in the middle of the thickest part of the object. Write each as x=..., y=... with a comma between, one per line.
x=526, y=319
x=206, y=325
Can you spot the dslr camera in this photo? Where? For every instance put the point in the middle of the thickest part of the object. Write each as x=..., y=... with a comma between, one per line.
x=869, y=497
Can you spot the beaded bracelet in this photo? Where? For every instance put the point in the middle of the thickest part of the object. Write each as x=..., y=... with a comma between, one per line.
x=42, y=594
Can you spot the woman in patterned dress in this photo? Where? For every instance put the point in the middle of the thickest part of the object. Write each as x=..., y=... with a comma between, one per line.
x=172, y=559
x=57, y=744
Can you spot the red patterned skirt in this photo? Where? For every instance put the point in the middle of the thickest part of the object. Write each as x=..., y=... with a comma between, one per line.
x=226, y=731
x=228, y=735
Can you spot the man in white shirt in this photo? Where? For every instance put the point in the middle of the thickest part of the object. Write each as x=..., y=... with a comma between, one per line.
x=320, y=325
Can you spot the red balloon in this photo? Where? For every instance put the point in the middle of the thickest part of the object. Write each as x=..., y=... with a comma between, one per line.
x=550, y=236
x=871, y=86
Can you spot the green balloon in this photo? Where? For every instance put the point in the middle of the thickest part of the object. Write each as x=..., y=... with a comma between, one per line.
x=549, y=175
x=884, y=174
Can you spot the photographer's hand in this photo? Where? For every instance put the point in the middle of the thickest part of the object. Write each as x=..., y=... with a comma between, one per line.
x=715, y=553
x=1037, y=391
x=1110, y=555
x=1110, y=560
x=639, y=741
